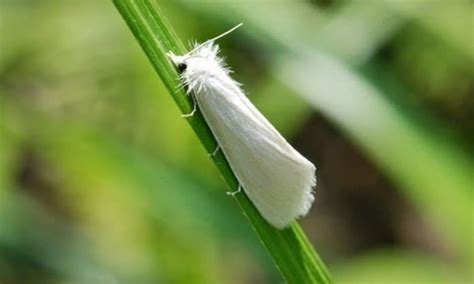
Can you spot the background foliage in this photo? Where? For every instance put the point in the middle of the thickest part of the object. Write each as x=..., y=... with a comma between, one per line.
x=102, y=181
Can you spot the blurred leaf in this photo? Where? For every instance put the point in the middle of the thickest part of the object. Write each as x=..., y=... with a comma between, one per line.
x=450, y=20
x=356, y=31
x=91, y=158
x=441, y=183
x=8, y=150
x=396, y=267
x=33, y=239
x=352, y=34
x=126, y=204
x=282, y=107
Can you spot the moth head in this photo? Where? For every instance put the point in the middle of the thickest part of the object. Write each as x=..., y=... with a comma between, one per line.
x=179, y=62
x=201, y=60
x=191, y=63
x=193, y=68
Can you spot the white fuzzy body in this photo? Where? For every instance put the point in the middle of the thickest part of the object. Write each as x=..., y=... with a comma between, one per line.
x=276, y=178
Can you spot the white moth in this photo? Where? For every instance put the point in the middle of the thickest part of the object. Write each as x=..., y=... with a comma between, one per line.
x=276, y=178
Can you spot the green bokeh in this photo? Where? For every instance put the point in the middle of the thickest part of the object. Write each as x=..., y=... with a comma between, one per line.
x=102, y=181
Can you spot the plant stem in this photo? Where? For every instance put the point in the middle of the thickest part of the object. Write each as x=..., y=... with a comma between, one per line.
x=290, y=249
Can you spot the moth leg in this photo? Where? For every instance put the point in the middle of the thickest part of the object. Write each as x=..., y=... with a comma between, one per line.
x=233, y=193
x=213, y=154
x=194, y=108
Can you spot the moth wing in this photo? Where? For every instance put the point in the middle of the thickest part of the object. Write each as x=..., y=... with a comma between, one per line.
x=276, y=178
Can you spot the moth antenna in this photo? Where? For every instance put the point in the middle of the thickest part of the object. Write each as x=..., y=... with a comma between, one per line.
x=224, y=34
x=217, y=37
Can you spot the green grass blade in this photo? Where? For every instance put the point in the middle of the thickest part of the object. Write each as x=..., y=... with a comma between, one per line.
x=290, y=249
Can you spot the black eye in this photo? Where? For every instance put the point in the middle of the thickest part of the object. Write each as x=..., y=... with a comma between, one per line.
x=182, y=67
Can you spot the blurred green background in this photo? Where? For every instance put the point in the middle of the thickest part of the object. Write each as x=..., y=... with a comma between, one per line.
x=101, y=181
